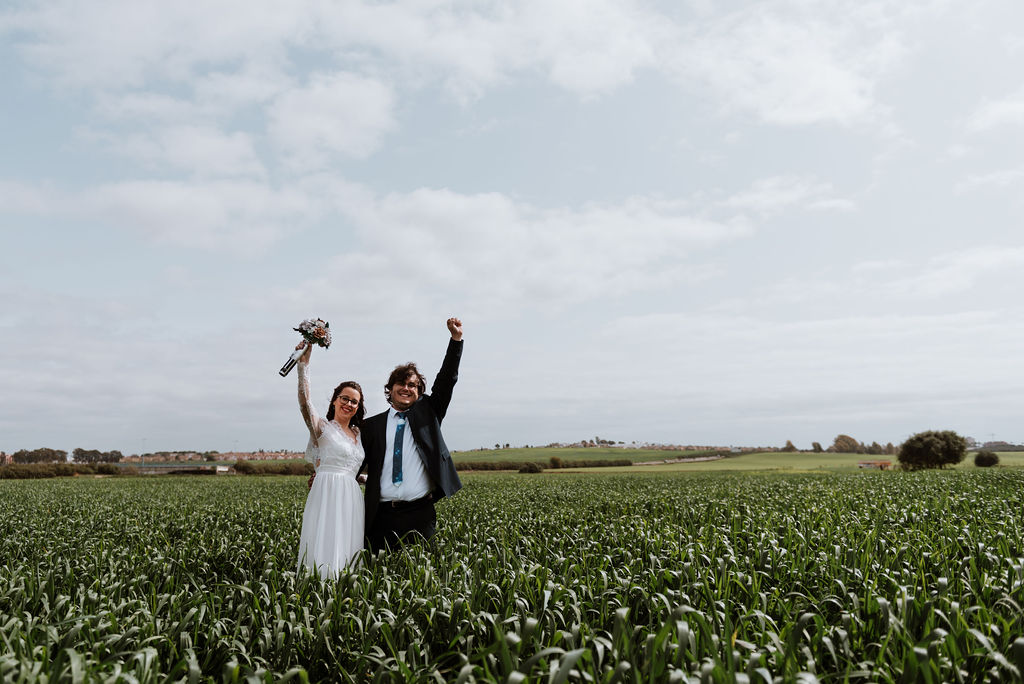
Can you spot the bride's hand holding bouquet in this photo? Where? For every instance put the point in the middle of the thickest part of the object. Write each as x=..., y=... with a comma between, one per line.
x=314, y=331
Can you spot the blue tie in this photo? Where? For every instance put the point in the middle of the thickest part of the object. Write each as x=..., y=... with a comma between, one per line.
x=396, y=464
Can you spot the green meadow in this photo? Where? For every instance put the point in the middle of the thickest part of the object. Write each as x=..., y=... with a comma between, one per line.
x=646, y=576
x=766, y=461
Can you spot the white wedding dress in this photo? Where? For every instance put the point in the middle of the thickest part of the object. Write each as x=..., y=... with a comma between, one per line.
x=332, y=524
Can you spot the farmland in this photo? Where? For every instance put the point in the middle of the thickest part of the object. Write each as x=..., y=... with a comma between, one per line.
x=763, y=460
x=646, y=577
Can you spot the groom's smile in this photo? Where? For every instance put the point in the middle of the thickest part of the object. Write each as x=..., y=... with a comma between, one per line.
x=404, y=395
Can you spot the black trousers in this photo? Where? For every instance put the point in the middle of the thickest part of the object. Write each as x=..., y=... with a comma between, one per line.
x=394, y=525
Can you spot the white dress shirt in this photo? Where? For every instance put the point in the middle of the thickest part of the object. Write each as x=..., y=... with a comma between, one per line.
x=415, y=482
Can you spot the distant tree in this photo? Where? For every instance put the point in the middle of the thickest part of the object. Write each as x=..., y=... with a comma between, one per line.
x=94, y=456
x=844, y=444
x=890, y=449
x=497, y=446
x=210, y=457
x=816, y=447
x=986, y=458
x=789, y=446
x=43, y=455
x=932, y=449
x=875, y=449
x=80, y=455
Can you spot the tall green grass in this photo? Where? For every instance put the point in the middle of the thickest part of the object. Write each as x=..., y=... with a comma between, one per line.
x=713, y=577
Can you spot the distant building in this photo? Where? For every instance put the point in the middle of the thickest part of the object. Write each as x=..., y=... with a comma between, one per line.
x=6, y=458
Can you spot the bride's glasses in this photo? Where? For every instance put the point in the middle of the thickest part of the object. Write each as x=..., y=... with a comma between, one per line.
x=348, y=400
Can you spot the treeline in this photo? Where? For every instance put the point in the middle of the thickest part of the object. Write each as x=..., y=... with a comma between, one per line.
x=35, y=471
x=94, y=456
x=46, y=455
x=844, y=444
x=39, y=456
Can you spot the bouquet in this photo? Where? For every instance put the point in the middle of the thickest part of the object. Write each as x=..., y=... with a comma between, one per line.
x=314, y=331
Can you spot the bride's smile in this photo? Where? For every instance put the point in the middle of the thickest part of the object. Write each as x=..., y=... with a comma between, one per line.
x=347, y=402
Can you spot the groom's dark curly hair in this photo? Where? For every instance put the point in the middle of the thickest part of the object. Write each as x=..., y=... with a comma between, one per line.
x=401, y=374
x=357, y=417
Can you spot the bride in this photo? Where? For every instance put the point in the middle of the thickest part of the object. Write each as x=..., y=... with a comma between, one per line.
x=332, y=523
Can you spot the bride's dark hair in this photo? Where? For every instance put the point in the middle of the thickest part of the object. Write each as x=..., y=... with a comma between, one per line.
x=357, y=417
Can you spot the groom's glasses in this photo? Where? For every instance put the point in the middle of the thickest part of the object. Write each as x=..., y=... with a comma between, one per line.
x=347, y=400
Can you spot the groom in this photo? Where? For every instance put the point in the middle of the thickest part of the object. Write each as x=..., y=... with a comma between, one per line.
x=407, y=462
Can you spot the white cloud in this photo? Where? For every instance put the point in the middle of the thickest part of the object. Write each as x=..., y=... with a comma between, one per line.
x=123, y=43
x=1002, y=178
x=235, y=216
x=23, y=198
x=583, y=46
x=594, y=46
x=201, y=151
x=339, y=113
x=912, y=285
x=789, y=65
x=877, y=265
x=958, y=272
x=1008, y=111
x=772, y=195
x=428, y=246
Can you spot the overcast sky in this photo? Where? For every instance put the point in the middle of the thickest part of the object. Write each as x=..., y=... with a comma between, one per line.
x=693, y=222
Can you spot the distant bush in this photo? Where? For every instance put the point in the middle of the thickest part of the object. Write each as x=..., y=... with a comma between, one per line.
x=517, y=465
x=107, y=469
x=932, y=449
x=294, y=467
x=26, y=471
x=556, y=462
x=986, y=458
x=492, y=465
x=530, y=467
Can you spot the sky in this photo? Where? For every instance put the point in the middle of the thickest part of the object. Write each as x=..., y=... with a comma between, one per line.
x=683, y=222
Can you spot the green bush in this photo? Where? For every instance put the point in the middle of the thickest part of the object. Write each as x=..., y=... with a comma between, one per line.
x=530, y=467
x=932, y=449
x=986, y=458
x=490, y=465
x=556, y=462
x=295, y=467
x=27, y=471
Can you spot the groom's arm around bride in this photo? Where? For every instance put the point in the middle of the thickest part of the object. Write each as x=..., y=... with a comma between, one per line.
x=407, y=461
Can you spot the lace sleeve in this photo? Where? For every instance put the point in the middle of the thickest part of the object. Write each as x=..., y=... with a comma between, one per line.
x=313, y=421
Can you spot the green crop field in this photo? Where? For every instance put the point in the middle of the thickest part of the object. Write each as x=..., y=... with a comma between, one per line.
x=539, y=454
x=704, y=577
x=782, y=461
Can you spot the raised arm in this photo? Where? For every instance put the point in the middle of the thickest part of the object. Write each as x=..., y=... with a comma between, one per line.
x=444, y=383
x=309, y=414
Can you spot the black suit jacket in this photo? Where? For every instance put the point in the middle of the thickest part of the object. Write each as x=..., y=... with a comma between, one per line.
x=425, y=420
